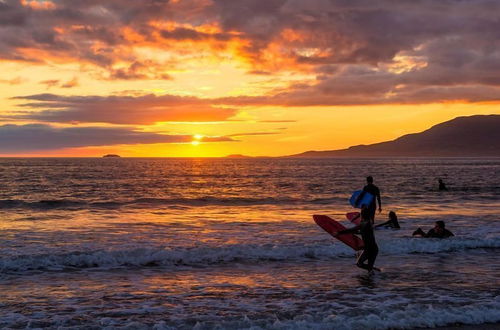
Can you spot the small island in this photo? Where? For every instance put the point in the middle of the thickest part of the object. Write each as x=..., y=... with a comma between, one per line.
x=237, y=156
x=111, y=156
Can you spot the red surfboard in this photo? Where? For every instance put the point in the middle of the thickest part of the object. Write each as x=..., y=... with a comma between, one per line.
x=331, y=226
x=354, y=217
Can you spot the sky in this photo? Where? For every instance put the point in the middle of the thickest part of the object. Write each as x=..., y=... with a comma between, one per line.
x=211, y=78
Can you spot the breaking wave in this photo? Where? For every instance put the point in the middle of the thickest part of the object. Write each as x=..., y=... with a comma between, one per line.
x=206, y=256
x=69, y=204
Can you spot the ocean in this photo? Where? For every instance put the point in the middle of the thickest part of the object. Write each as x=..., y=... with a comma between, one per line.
x=231, y=244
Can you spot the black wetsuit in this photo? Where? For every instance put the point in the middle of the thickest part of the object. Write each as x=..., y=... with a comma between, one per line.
x=445, y=233
x=373, y=189
x=370, y=251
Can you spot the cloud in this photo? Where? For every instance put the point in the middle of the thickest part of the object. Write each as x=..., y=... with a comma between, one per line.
x=365, y=85
x=71, y=83
x=217, y=139
x=277, y=121
x=362, y=51
x=137, y=110
x=13, y=81
x=57, y=83
x=50, y=83
x=253, y=134
x=314, y=31
x=32, y=137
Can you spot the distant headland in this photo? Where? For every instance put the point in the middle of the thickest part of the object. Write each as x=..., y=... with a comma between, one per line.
x=474, y=136
x=111, y=156
x=237, y=156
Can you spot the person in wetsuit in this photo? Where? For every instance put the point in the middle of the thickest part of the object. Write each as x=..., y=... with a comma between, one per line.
x=391, y=223
x=442, y=186
x=370, y=251
x=373, y=189
x=439, y=231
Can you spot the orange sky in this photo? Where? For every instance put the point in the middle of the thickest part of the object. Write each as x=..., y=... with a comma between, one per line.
x=203, y=78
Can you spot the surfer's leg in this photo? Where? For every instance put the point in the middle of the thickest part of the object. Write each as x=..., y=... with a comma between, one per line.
x=372, y=209
x=372, y=257
x=362, y=258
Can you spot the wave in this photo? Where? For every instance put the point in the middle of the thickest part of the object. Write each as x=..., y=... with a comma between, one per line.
x=205, y=256
x=413, y=316
x=70, y=204
x=483, y=314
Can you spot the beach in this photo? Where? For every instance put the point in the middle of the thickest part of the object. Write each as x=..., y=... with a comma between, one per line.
x=231, y=243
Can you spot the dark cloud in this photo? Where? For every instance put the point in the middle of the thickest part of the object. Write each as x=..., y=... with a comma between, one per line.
x=138, y=70
x=362, y=31
x=191, y=34
x=146, y=109
x=32, y=137
x=357, y=48
x=363, y=85
x=91, y=31
x=253, y=134
x=217, y=139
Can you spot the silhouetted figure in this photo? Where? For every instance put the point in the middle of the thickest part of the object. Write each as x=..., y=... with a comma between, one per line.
x=391, y=223
x=442, y=186
x=370, y=251
x=373, y=189
x=439, y=231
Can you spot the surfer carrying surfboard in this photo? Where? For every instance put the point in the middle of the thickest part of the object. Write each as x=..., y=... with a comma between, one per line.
x=373, y=189
x=370, y=251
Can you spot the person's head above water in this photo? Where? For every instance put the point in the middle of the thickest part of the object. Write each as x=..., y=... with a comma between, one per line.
x=369, y=179
x=393, y=220
x=440, y=224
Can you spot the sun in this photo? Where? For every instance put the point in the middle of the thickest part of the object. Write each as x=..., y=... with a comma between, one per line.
x=196, y=139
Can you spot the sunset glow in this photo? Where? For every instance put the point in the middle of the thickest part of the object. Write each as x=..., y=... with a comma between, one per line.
x=210, y=78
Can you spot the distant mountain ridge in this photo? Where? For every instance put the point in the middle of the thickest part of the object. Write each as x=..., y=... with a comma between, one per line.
x=474, y=136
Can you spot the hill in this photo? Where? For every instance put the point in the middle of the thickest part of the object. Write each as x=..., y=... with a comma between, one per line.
x=474, y=136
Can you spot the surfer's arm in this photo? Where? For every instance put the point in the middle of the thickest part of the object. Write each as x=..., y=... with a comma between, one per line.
x=379, y=201
x=349, y=231
x=388, y=222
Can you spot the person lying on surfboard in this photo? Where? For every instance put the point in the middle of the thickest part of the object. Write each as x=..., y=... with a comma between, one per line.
x=370, y=251
x=439, y=231
x=391, y=223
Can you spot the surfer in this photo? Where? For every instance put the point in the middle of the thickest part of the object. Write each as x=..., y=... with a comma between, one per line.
x=373, y=189
x=442, y=186
x=370, y=251
x=439, y=231
x=391, y=223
